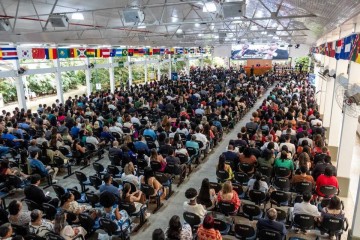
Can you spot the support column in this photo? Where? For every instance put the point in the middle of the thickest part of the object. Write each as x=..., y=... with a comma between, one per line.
x=347, y=142
x=158, y=69
x=111, y=75
x=59, y=87
x=170, y=66
x=187, y=65
x=354, y=232
x=88, y=77
x=146, y=71
x=323, y=89
x=130, y=72
x=20, y=91
x=330, y=86
x=202, y=62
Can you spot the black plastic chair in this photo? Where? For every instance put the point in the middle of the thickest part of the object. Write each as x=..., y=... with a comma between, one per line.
x=303, y=187
x=303, y=222
x=282, y=172
x=32, y=205
x=111, y=228
x=99, y=169
x=141, y=165
x=87, y=223
x=60, y=163
x=132, y=185
x=95, y=181
x=266, y=234
x=165, y=181
x=246, y=167
x=279, y=198
x=244, y=232
x=19, y=230
x=93, y=199
x=238, y=189
x=252, y=212
x=131, y=210
x=281, y=215
x=59, y=190
x=114, y=171
x=155, y=166
x=149, y=191
x=116, y=135
x=282, y=183
x=328, y=191
x=227, y=208
x=54, y=236
x=77, y=195
x=50, y=211
x=265, y=170
x=83, y=181
x=223, y=227
x=193, y=220
x=222, y=176
x=334, y=226
x=241, y=178
x=215, y=186
x=257, y=196
x=14, y=182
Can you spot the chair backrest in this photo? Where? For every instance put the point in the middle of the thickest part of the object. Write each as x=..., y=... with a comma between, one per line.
x=226, y=207
x=246, y=167
x=76, y=193
x=304, y=221
x=59, y=190
x=282, y=183
x=161, y=177
x=126, y=130
x=86, y=222
x=265, y=170
x=279, y=197
x=192, y=219
x=53, y=236
x=257, y=196
x=222, y=175
x=155, y=166
x=128, y=207
x=328, y=190
x=147, y=190
x=90, y=146
x=241, y=177
x=183, y=158
x=95, y=181
x=192, y=151
x=81, y=177
x=243, y=231
x=113, y=170
x=19, y=230
x=133, y=187
x=64, y=150
x=98, y=167
x=266, y=234
x=302, y=187
x=59, y=161
x=215, y=186
x=281, y=215
x=92, y=198
x=142, y=163
x=250, y=211
x=50, y=211
x=221, y=226
x=171, y=168
x=333, y=224
x=201, y=144
x=14, y=181
x=31, y=204
x=238, y=188
x=108, y=226
x=282, y=172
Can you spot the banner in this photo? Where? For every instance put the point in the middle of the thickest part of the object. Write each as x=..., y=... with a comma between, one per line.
x=270, y=51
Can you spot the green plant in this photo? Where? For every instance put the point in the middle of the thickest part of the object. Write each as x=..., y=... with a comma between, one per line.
x=304, y=61
x=8, y=89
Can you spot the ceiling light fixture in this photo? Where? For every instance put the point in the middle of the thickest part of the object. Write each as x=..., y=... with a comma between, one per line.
x=197, y=24
x=209, y=7
x=77, y=16
x=200, y=35
x=141, y=26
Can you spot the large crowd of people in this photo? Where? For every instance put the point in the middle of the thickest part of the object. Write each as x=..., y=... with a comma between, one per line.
x=153, y=135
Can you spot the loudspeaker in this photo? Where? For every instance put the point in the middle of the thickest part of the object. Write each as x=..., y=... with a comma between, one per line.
x=234, y=9
x=133, y=15
x=57, y=20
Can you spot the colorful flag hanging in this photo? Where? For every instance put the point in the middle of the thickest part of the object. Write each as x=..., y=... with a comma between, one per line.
x=125, y=52
x=156, y=51
x=90, y=52
x=73, y=53
x=354, y=48
x=346, y=48
x=105, y=52
x=8, y=54
x=51, y=53
x=81, y=52
x=112, y=52
x=162, y=51
x=63, y=52
x=25, y=53
x=338, y=47
x=130, y=52
x=38, y=53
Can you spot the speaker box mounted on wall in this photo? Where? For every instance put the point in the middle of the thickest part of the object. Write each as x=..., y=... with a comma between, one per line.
x=234, y=9
x=58, y=20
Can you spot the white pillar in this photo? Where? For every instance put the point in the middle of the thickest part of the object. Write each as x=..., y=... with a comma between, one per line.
x=330, y=86
x=20, y=91
x=158, y=69
x=59, y=87
x=88, y=77
x=347, y=141
x=187, y=65
x=130, y=71
x=170, y=66
x=146, y=70
x=111, y=75
x=201, y=61
x=323, y=89
x=355, y=230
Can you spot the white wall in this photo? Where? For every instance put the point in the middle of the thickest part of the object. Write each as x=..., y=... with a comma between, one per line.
x=295, y=53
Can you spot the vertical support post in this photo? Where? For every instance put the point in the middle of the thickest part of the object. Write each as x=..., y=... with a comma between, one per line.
x=111, y=75
x=158, y=69
x=88, y=77
x=355, y=230
x=20, y=92
x=201, y=62
x=130, y=71
x=59, y=87
x=187, y=65
x=146, y=70
x=169, y=66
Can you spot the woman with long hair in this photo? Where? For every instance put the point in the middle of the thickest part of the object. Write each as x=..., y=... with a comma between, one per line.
x=229, y=195
x=222, y=166
x=154, y=156
x=149, y=179
x=67, y=231
x=177, y=231
x=207, y=195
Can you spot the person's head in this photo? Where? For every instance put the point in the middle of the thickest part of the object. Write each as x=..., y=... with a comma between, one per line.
x=115, y=143
x=283, y=155
x=66, y=198
x=208, y=222
x=127, y=188
x=6, y=231
x=171, y=152
x=303, y=169
x=36, y=215
x=60, y=222
x=227, y=187
x=175, y=227
x=148, y=173
x=107, y=199
x=193, y=138
x=271, y=214
x=158, y=234
x=107, y=178
x=14, y=207
x=307, y=196
x=335, y=203
x=191, y=194
x=4, y=164
x=257, y=177
x=35, y=179
x=327, y=159
x=328, y=171
x=230, y=147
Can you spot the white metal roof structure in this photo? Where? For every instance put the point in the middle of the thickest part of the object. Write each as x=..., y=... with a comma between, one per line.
x=173, y=22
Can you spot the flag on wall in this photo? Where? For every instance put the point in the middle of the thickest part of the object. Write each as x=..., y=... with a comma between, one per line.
x=63, y=52
x=38, y=53
x=105, y=52
x=25, y=53
x=51, y=53
x=112, y=52
x=162, y=51
x=192, y=51
x=130, y=52
x=90, y=52
x=81, y=52
x=354, y=48
x=338, y=48
x=73, y=53
x=346, y=49
x=331, y=49
x=156, y=51
x=8, y=54
x=125, y=53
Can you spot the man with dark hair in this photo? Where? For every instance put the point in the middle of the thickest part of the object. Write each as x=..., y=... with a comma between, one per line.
x=180, y=169
x=36, y=194
x=240, y=142
x=305, y=207
x=321, y=165
x=191, y=205
x=303, y=177
x=43, y=170
x=141, y=145
x=6, y=231
x=108, y=187
x=270, y=223
x=38, y=225
x=231, y=155
x=164, y=149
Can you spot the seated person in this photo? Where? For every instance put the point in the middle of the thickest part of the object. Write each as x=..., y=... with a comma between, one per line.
x=227, y=194
x=270, y=223
x=321, y=165
x=108, y=187
x=68, y=232
x=222, y=166
x=284, y=162
x=333, y=209
x=257, y=184
x=6, y=232
x=326, y=179
x=302, y=177
x=266, y=158
x=305, y=207
x=6, y=170
x=180, y=169
x=17, y=215
x=249, y=158
x=231, y=155
x=46, y=151
x=192, y=143
x=150, y=180
x=176, y=230
x=43, y=170
x=154, y=156
x=207, y=195
x=38, y=225
x=69, y=204
x=136, y=198
x=129, y=175
x=206, y=230
x=158, y=234
x=36, y=194
x=115, y=150
x=191, y=205
x=141, y=145
x=94, y=141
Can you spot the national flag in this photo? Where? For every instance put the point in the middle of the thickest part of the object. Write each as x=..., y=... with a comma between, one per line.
x=150, y=51
x=357, y=60
x=73, y=53
x=346, y=49
x=354, y=48
x=179, y=51
x=141, y=51
x=203, y=50
x=186, y=50
x=331, y=49
x=156, y=51
x=172, y=51
x=8, y=54
x=38, y=53
x=136, y=52
x=63, y=52
x=146, y=51
x=162, y=51
x=90, y=53
x=192, y=51
x=81, y=52
x=112, y=52
x=105, y=52
x=51, y=53
x=125, y=52
x=167, y=51
x=118, y=52
x=24, y=53
x=131, y=52
x=338, y=48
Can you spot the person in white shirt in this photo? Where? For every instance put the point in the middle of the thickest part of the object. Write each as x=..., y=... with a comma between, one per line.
x=115, y=128
x=316, y=121
x=305, y=207
x=291, y=147
x=309, y=140
x=201, y=137
x=93, y=140
x=134, y=119
x=192, y=206
x=269, y=139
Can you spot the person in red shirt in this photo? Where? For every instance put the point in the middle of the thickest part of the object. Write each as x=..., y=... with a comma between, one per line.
x=326, y=179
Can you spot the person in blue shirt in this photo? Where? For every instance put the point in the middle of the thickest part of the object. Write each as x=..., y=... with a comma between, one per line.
x=40, y=167
x=105, y=134
x=18, y=130
x=149, y=132
x=74, y=132
x=108, y=187
x=14, y=141
x=192, y=143
x=3, y=150
x=141, y=145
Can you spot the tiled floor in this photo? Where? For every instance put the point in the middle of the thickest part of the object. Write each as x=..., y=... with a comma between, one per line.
x=207, y=169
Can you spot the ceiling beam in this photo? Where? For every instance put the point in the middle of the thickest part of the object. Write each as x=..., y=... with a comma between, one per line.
x=16, y=15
